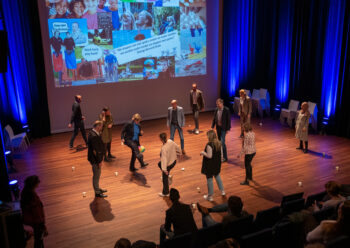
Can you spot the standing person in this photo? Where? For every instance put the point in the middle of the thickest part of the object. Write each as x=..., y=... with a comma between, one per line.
x=71, y=61
x=91, y=13
x=56, y=44
x=33, y=210
x=197, y=104
x=302, y=126
x=176, y=120
x=106, y=135
x=113, y=7
x=78, y=119
x=211, y=164
x=180, y=216
x=168, y=156
x=95, y=156
x=130, y=136
x=222, y=121
x=245, y=109
x=249, y=151
x=112, y=64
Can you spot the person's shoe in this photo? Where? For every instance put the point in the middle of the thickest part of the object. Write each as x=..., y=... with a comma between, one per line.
x=241, y=136
x=245, y=183
x=162, y=195
x=183, y=152
x=107, y=160
x=144, y=165
x=299, y=148
x=208, y=198
x=71, y=147
x=133, y=170
x=202, y=209
x=101, y=195
x=103, y=190
x=170, y=178
x=196, y=131
x=305, y=151
x=111, y=156
x=223, y=193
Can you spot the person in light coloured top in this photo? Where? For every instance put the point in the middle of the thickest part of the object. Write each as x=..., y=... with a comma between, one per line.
x=249, y=151
x=91, y=13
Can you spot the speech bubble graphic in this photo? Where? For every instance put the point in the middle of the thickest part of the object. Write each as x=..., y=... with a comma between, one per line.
x=92, y=52
x=61, y=27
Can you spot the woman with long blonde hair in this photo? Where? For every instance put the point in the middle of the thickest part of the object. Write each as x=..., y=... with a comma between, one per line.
x=211, y=165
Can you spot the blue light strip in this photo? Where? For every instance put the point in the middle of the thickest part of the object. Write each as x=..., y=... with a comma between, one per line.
x=331, y=58
x=285, y=31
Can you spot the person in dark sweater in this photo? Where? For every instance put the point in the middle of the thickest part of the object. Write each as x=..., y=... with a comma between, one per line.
x=70, y=59
x=78, y=119
x=234, y=209
x=33, y=210
x=130, y=137
x=56, y=45
x=180, y=216
x=96, y=152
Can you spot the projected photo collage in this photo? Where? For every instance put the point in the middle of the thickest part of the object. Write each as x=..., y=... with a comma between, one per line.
x=109, y=41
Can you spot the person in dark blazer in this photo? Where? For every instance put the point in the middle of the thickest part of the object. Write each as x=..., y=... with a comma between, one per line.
x=180, y=216
x=96, y=151
x=33, y=210
x=245, y=109
x=130, y=137
x=176, y=120
x=78, y=119
x=222, y=121
x=197, y=104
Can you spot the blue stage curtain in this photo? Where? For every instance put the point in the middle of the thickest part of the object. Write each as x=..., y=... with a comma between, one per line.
x=23, y=96
x=301, y=52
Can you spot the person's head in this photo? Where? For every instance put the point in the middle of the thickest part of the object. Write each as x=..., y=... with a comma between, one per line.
x=163, y=137
x=247, y=127
x=78, y=98
x=305, y=106
x=174, y=195
x=31, y=182
x=332, y=188
x=123, y=243
x=136, y=118
x=113, y=5
x=68, y=35
x=128, y=21
x=101, y=4
x=174, y=104
x=242, y=93
x=144, y=20
x=75, y=27
x=194, y=87
x=213, y=139
x=219, y=103
x=235, y=205
x=98, y=126
x=91, y=6
x=61, y=7
x=106, y=110
x=77, y=7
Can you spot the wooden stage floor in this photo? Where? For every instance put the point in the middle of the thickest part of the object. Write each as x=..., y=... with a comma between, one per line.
x=133, y=208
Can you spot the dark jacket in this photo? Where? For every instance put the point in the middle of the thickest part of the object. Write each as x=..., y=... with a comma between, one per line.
x=128, y=131
x=225, y=119
x=181, y=217
x=32, y=208
x=212, y=166
x=200, y=99
x=76, y=113
x=96, y=148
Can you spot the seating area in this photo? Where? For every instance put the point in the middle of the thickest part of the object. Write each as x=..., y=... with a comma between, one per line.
x=16, y=143
x=276, y=227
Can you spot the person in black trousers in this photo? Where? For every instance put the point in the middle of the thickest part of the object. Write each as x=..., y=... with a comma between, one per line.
x=96, y=152
x=78, y=119
x=130, y=137
x=222, y=121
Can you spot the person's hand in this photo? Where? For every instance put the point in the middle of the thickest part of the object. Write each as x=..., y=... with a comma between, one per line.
x=123, y=141
x=201, y=153
x=83, y=117
x=304, y=129
x=141, y=132
x=110, y=126
x=248, y=115
x=69, y=125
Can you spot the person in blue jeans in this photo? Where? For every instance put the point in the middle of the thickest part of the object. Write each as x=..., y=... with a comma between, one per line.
x=176, y=120
x=211, y=165
x=222, y=121
x=233, y=207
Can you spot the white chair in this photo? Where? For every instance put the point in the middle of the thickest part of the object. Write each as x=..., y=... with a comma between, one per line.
x=289, y=113
x=261, y=101
x=236, y=102
x=313, y=112
x=19, y=141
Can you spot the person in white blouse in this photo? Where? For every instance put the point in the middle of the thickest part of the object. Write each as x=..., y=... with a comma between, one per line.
x=249, y=151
